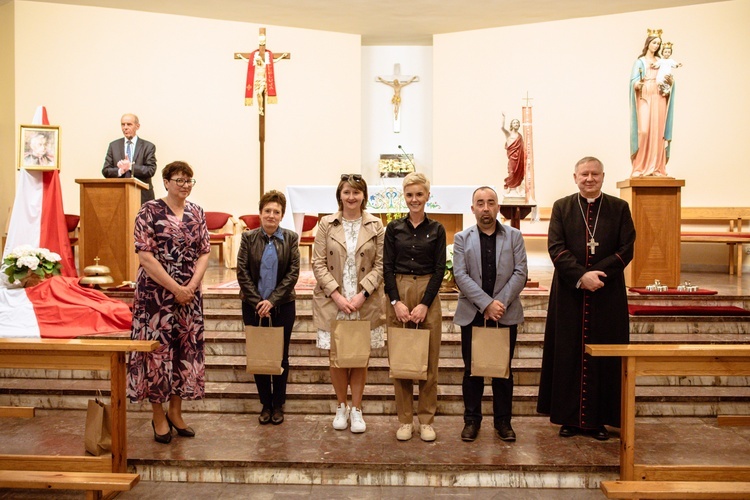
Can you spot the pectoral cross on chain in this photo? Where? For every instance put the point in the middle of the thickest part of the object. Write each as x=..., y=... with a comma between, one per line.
x=592, y=244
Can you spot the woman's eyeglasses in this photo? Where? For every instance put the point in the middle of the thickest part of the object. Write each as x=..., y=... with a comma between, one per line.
x=351, y=177
x=182, y=182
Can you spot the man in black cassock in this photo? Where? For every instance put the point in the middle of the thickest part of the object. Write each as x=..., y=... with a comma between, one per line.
x=590, y=241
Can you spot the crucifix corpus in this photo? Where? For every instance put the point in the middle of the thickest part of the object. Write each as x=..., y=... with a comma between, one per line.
x=397, y=81
x=261, y=86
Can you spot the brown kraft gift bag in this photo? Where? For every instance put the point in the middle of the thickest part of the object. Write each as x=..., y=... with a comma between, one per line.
x=264, y=346
x=490, y=351
x=350, y=344
x=408, y=349
x=98, y=433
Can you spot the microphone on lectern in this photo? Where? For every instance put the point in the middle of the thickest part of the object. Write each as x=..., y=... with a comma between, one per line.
x=407, y=157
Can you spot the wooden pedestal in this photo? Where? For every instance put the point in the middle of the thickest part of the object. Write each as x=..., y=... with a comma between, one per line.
x=655, y=206
x=108, y=211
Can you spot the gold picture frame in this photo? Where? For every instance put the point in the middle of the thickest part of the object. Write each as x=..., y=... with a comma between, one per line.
x=39, y=147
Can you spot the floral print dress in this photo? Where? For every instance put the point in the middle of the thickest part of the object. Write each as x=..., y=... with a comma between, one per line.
x=177, y=366
x=349, y=288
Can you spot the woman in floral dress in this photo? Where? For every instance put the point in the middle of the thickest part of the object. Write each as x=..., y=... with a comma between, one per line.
x=348, y=266
x=172, y=243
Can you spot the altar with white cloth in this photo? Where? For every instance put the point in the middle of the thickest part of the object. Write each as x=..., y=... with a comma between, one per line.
x=447, y=204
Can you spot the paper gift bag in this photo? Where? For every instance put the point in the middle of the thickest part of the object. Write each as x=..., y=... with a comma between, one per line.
x=350, y=344
x=264, y=346
x=490, y=352
x=98, y=433
x=408, y=349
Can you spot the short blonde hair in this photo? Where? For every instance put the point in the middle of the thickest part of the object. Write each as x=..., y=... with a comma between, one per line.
x=416, y=178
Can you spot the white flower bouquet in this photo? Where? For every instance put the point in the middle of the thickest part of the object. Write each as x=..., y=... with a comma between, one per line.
x=28, y=266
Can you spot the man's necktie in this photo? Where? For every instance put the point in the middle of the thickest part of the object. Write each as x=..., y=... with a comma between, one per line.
x=129, y=151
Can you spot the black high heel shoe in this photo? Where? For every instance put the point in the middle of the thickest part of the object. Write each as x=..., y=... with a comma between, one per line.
x=187, y=432
x=162, y=438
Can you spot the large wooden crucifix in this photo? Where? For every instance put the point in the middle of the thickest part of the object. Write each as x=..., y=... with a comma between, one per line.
x=261, y=86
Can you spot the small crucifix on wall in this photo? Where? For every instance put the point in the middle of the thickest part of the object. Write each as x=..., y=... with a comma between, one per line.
x=397, y=81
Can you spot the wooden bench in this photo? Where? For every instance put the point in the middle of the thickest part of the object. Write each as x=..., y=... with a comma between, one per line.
x=94, y=483
x=78, y=354
x=733, y=237
x=675, y=360
x=681, y=490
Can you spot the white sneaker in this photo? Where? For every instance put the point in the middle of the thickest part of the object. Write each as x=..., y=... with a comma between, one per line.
x=404, y=432
x=357, y=424
x=427, y=433
x=342, y=417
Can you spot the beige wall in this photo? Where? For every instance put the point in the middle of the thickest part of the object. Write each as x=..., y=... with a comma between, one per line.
x=90, y=65
x=577, y=73
x=7, y=123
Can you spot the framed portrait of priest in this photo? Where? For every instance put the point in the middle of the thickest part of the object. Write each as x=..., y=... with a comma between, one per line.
x=39, y=147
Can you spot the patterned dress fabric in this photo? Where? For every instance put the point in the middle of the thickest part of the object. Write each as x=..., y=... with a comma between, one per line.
x=349, y=288
x=177, y=366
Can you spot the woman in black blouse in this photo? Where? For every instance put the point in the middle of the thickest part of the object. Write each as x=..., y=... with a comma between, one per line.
x=413, y=268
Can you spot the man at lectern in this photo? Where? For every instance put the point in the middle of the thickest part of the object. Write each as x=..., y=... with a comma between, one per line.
x=131, y=156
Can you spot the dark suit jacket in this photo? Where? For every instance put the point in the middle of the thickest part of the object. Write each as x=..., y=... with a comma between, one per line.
x=143, y=168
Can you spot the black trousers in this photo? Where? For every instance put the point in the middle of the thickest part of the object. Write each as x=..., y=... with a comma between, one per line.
x=473, y=387
x=272, y=388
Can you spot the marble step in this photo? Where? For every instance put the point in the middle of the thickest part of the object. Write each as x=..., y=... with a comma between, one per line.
x=315, y=370
x=528, y=345
x=534, y=322
x=234, y=397
x=305, y=450
x=531, y=300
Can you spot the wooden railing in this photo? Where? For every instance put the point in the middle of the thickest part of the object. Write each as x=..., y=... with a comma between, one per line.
x=674, y=360
x=731, y=218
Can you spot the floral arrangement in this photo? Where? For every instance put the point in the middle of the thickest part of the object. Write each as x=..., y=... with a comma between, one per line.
x=448, y=276
x=26, y=264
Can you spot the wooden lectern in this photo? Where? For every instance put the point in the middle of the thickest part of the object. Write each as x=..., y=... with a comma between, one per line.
x=655, y=205
x=108, y=211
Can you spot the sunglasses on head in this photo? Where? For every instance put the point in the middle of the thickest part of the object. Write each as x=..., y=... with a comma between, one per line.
x=349, y=177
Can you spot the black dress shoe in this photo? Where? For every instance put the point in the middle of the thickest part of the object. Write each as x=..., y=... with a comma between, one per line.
x=187, y=432
x=162, y=438
x=567, y=431
x=601, y=434
x=505, y=432
x=265, y=416
x=470, y=432
x=278, y=416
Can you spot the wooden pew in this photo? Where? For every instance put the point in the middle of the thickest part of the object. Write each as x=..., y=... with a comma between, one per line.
x=680, y=490
x=731, y=217
x=675, y=360
x=733, y=237
x=78, y=354
x=94, y=483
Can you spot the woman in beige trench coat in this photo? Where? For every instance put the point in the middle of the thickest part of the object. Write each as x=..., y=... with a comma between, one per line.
x=348, y=266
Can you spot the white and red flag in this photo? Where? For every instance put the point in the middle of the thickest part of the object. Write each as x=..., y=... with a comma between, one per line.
x=38, y=218
x=59, y=307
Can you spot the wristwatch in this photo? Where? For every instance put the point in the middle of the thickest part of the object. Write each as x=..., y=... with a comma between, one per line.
x=393, y=302
x=366, y=293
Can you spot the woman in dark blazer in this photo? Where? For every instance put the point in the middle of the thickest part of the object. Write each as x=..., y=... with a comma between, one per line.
x=267, y=270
